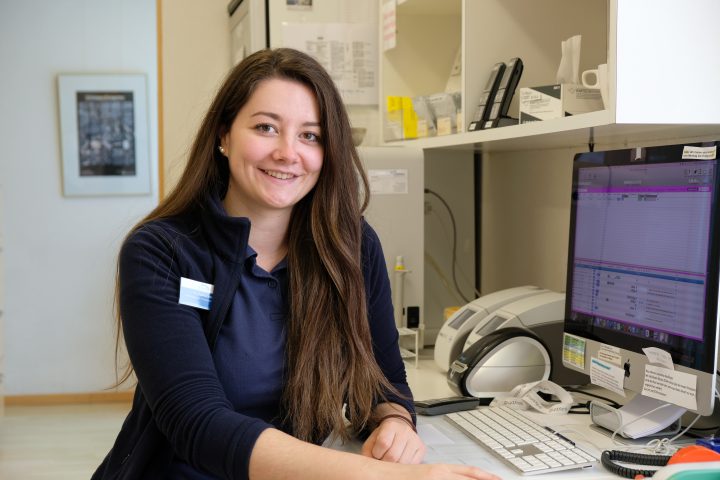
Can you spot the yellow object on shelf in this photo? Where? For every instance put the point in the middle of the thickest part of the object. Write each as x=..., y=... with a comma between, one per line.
x=409, y=118
x=400, y=119
x=447, y=313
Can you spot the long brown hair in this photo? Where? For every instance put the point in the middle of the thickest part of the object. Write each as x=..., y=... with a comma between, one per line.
x=329, y=353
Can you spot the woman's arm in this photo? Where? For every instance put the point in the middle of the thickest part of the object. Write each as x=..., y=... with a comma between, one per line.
x=172, y=360
x=279, y=456
x=393, y=439
x=382, y=319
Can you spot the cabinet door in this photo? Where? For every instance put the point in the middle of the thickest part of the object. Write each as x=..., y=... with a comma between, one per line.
x=668, y=61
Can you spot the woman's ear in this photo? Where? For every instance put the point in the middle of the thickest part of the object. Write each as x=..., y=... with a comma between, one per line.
x=224, y=141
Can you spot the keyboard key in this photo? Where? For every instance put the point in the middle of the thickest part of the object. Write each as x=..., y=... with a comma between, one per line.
x=519, y=462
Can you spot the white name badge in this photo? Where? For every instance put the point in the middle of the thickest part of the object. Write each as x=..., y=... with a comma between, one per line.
x=195, y=294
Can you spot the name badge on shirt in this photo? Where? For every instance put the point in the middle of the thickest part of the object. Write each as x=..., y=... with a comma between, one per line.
x=195, y=294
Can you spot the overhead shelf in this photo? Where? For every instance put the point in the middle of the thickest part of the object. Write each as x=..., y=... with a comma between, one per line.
x=639, y=111
x=575, y=131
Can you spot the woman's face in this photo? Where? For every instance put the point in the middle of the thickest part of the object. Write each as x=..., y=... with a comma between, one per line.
x=274, y=149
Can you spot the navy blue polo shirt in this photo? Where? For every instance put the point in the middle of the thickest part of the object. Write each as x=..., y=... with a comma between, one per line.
x=250, y=350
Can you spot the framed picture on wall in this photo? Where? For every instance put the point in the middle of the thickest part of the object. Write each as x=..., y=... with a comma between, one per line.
x=104, y=134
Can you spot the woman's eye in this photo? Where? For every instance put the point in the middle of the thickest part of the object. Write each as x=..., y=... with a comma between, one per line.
x=265, y=128
x=311, y=137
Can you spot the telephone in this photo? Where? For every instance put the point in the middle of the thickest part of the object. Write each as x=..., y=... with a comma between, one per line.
x=693, y=462
x=505, y=91
x=482, y=112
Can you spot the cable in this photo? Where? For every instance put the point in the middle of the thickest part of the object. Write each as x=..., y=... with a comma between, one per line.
x=623, y=425
x=454, y=244
x=610, y=457
x=612, y=403
x=433, y=263
x=697, y=431
x=658, y=446
x=681, y=433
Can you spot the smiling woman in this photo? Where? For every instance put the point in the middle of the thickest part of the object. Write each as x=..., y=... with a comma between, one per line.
x=255, y=303
x=274, y=152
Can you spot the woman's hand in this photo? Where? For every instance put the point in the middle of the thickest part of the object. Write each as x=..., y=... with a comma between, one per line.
x=394, y=441
x=278, y=455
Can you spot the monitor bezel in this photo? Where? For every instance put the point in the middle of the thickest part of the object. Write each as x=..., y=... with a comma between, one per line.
x=707, y=361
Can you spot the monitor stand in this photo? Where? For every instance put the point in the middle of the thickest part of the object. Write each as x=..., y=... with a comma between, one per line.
x=635, y=419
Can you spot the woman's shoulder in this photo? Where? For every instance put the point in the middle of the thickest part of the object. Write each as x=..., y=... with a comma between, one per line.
x=369, y=235
x=165, y=232
x=371, y=247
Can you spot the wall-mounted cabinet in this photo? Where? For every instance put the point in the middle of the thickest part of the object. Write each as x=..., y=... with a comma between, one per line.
x=663, y=65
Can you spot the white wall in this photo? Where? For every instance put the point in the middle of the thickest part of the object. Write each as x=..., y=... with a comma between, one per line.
x=195, y=59
x=525, y=218
x=60, y=252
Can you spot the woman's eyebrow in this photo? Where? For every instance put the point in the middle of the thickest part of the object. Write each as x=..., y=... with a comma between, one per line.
x=277, y=117
x=274, y=116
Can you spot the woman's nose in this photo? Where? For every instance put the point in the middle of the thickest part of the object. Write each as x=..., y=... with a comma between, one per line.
x=286, y=149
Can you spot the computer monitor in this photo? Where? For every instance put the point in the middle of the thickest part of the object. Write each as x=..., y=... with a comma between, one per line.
x=642, y=272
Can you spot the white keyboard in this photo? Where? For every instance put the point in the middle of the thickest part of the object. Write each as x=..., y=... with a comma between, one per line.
x=521, y=443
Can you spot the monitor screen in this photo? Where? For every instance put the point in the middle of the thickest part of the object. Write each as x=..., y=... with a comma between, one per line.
x=643, y=266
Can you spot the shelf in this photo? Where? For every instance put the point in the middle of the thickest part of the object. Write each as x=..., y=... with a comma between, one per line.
x=418, y=65
x=404, y=352
x=575, y=131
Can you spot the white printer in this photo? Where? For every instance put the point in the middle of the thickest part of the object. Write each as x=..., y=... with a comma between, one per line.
x=546, y=307
x=454, y=332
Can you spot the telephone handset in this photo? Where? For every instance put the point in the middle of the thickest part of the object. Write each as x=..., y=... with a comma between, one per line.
x=482, y=112
x=505, y=91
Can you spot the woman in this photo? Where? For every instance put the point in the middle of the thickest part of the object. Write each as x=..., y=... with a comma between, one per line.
x=255, y=301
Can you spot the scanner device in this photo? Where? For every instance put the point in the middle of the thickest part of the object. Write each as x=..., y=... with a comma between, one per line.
x=454, y=332
x=499, y=362
x=542, y=314
x=527, y=312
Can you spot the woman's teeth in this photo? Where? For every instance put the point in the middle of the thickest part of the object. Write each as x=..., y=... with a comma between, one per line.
x=280, y=175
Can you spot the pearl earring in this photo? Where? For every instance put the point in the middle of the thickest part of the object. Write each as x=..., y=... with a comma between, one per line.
x=222, y=150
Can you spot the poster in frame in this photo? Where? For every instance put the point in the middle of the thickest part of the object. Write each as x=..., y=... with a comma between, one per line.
x=104, y=134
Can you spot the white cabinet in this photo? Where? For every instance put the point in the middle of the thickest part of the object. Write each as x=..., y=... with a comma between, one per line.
x=663, y=65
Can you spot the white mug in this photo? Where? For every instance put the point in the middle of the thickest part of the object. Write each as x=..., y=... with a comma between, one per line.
x=601, y=81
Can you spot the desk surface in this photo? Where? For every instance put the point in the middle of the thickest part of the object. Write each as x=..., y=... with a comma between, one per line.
x=446, y=444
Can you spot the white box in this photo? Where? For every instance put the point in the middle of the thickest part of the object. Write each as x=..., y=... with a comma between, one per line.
x=555, y=101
